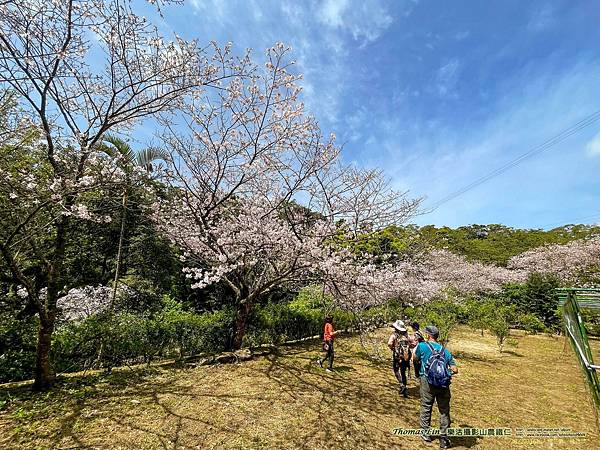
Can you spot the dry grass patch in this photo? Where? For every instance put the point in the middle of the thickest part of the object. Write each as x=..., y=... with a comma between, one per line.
x=287, y=401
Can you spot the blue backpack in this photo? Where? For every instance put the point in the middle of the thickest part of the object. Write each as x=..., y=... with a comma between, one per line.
x=436, y=368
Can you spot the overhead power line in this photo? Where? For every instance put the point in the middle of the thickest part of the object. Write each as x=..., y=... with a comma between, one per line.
x=546, y=145
x=574, y=221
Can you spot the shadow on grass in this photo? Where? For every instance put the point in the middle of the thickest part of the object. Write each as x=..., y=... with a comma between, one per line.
x=460, y=354
x=465, y=441
x=512, y=353
x=152, y=405
x=343, y=369
x=351, y=394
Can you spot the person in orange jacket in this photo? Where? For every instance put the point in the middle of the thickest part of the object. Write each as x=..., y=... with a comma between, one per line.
x=328, y=337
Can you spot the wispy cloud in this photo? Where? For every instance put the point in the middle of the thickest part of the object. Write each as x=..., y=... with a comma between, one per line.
x=439, y=97
x=592, y=148
x=447, y=76
x=542, y=17
x=534, y=110
x=365, y=20
x=462, y=35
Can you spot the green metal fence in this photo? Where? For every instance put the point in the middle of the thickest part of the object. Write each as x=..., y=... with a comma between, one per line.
x=572, y=300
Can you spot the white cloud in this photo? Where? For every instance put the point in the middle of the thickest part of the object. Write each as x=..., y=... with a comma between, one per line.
x=447, y=77
x=366, y=20
x=592, y=148
x=331, y=12
x=462, y=35
x=542, y=18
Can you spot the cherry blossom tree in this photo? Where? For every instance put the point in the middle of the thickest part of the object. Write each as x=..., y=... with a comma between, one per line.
x=260, y=197
x=417, y=280
x=78, y=69
x=566, y=261
x=448, y=270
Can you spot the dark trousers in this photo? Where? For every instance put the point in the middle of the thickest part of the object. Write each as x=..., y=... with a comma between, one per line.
x=328, y=355
x=417, y=367
x=430, y=395
x=400, y=367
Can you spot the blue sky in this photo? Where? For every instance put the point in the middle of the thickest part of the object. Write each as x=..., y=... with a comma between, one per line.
x=441, y=93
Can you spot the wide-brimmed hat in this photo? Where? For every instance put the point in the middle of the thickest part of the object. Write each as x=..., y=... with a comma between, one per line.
x=399, y=325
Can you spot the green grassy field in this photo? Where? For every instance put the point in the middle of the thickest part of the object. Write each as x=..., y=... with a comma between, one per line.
x=287, y=401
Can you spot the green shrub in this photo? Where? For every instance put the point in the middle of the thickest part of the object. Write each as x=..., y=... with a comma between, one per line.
x=311, y=298
x=105, y=340
x=342, y=319
x=531, y=323
x=478, y=313
x=499, y=320
x=108, y=340
x=276, y=323
x=512, y=342
x=378, y=316
x=303, y=317
x=443, y=313
x=18, y=339
x=215, y=331
x=138, y=295
x=536, y=296
x=591, y=320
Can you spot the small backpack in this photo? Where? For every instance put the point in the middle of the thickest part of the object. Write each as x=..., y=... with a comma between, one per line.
x=436, y=368
x=402, y=350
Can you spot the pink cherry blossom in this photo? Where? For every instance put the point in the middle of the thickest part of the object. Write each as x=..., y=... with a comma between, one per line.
x=566, y=261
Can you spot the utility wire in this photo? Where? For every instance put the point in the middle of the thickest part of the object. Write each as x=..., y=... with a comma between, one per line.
x=574, y=129
x=574, y=221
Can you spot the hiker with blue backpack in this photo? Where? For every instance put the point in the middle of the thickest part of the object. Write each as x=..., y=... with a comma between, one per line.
x=437, y=368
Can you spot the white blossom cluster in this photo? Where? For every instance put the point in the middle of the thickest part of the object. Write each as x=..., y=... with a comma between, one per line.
x=80, y=303
x=566, y=261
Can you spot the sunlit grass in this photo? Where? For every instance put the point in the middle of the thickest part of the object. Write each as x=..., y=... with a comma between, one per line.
x=287, y=401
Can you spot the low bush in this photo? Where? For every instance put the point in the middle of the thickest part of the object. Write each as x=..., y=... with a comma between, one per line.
x=591, y=320
x=17, y=347
x=108, y=340
x=443, y=313
x=531, y=323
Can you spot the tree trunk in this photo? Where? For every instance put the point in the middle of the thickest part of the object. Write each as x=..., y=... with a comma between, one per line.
x=120, y=248
x=44, y=372
x=241, y=321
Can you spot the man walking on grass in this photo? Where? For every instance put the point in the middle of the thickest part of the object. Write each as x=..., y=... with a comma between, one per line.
x=437, y=368
x=399, y=344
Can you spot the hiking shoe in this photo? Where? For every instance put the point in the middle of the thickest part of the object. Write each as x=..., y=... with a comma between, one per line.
x=444, y=442
x=319, y=362
x=426, y=438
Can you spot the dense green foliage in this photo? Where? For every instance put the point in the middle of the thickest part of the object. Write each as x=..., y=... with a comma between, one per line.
x=538, y=297
x=494, y=244
x=17, y=346
x=108, y=340
x=531, y=306
x=445, y=314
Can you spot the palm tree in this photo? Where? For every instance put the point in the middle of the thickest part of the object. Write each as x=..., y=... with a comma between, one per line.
x=113, y=145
